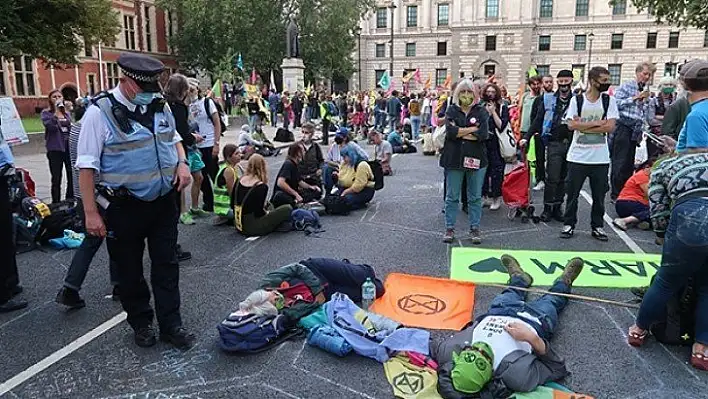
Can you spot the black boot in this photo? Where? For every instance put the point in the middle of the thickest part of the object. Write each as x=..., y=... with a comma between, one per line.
x=557, y=213
x=70, y=298
x=547, y=214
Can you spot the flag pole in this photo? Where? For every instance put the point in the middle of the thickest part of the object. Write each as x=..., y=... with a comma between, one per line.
x=100, y=66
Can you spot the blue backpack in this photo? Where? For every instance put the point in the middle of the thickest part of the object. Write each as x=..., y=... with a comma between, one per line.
x=252, y=333
x=305, y=220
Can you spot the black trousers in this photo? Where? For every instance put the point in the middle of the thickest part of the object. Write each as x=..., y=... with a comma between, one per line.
x=325, y=131
x=59, y=160
x=540, y=150
x=622, y=151
x=577, y=173
x=9, y=277
x=130, y=223
x=211, y=167
x=556, y=173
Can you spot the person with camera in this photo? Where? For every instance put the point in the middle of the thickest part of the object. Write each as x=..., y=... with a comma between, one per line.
x=57, y=124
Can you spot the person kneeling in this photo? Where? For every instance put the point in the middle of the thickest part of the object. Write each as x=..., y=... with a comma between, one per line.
x=254, y=216
x=355, y=179
x=632, y=205
x=506, y=350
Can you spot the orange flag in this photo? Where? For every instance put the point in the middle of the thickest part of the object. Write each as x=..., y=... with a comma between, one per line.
x=429, y=81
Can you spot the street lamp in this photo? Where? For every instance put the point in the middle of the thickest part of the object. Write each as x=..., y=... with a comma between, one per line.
x=591, y=36
x=391, y=7
x=357, y=32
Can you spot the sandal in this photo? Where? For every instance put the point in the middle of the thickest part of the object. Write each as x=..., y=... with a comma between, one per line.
x=636, y=340
x=699, y=360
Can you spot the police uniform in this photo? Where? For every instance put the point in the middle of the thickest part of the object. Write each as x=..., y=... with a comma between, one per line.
x=9, y=279
x=134, y=147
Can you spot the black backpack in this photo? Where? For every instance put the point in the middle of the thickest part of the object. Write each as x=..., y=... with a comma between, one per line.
x=579, y=99
x=678, y=325
x=335, y=205
x=219, y=110
x=65, y=215
x=284, y=135
x=377, y=170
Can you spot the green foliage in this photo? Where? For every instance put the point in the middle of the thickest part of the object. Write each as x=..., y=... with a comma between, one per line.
x=53, y=29
x=212, y=33
x=682, y=13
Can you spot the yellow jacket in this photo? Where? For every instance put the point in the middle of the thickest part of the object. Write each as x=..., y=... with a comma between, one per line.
x=356, y=179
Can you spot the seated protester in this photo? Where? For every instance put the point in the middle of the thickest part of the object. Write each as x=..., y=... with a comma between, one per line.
x=632, y=205
x=399, y=143
x=407, y=129
x=428, y=143
x=344, y=133
x=332, y=162
x=506, y=350
x=355, y=179
x=262, y=147
x=226, y=179
x=289, y=188
x=257, y=217
x=383, y=152
x=311, y=164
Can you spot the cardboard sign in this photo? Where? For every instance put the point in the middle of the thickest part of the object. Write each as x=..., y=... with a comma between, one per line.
x=602, y=269
x=12, y=128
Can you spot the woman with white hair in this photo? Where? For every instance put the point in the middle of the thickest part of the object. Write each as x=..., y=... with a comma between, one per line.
x=658, y=106
x=464, y=156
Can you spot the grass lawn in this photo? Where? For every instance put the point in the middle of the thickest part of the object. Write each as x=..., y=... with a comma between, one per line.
x=33, y=124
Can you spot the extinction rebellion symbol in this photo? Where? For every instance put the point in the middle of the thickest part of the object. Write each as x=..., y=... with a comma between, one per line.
x=421, y=304
x=408, y=383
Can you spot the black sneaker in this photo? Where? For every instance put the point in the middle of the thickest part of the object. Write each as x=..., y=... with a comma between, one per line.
x=475, y=236
x=567, y=232
x=70, y=298
x=182, y=255
x=12, y=305
x=599, y=234
x=547, y=214
x=16, y=290
x=179, y=337
x=572, y=271
x=145, y=337
x=449, y=236
x=514, y=269
x=115, y=295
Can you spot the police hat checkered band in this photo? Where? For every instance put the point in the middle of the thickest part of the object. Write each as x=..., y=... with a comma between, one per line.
x=140, y=78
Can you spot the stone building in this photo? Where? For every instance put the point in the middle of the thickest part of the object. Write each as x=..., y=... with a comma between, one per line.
x=505, y=37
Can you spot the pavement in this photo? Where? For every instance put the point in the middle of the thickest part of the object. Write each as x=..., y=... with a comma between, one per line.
x=49, y=352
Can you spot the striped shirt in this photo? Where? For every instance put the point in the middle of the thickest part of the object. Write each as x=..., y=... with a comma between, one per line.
x=73, y=149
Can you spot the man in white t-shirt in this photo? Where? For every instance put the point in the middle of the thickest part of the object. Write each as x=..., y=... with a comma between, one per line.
x=383, y=152
x=592, y=117
x=210, y=130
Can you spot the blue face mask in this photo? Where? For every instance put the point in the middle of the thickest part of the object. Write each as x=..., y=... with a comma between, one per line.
x=143, y=98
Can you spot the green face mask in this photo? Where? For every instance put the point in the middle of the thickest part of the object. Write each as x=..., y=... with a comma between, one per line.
x=466, y=100
x=668, y=90
x=473, y=368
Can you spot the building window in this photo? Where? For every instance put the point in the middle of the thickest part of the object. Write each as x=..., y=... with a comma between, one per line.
x=129, y=31
x=381, y=17
x=3, y=89
x=544, y=43
x=91, y=84
x=88, y=49
x=412, y=16
x=651, y=39
x=24, y=76
x=148, y=29
x=380, y=50
x=546, y=9
x=581, y=8
x=617, y=39
x=490, y=69
x=670, y=69
x=442, y=48
x=492, y=9
x=170, y=31
x=112, y=74
x=673, y=40
x=615, y=73
x=410, y=49
x=490, y=43
x=580, y=42
x=543, y=70
x=440, y=76
x=580, y=68
x=379, y=73
x=443, y=14
x=619, y=7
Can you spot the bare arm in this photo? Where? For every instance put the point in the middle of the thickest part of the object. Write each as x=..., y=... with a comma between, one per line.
x=283, y=185
x=230, y=180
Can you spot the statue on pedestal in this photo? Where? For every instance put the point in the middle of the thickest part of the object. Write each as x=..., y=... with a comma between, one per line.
x=292, y=39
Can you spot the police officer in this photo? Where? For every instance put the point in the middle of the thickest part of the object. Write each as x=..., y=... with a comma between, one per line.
x=9, y=279
x=129, y=136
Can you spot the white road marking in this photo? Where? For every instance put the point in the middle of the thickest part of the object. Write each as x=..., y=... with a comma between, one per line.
x=622, y=235
x=252, y=238
x=48, y=361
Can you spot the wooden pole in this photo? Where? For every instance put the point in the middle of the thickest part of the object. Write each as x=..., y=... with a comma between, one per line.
x=569, y=296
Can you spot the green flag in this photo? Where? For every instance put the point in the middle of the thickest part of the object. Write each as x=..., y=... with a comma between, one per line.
x=532, y=72
x=216, y=89
x=385, y=81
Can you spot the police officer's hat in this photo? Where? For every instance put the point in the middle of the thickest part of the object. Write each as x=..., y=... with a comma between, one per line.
x=143, y=69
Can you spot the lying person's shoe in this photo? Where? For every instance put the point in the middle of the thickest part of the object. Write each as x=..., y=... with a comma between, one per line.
x=572, y=271
x=70, y=298
x=514, y=269
x=699, y=359
x=179, y=337
x=636, y=339
x=12, y=305
x=145, y=337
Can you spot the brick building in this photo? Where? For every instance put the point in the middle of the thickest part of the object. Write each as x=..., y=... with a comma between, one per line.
x=144, y=28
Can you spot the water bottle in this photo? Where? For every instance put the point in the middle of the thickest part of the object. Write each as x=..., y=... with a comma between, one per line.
x=368, y=293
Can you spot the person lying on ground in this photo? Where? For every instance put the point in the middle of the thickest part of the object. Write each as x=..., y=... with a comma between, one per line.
x=506, y=350
x=290, y=188
x=253, y=215
x=312, y=161
x=632, y=205
x=355, y=178
x=383, y=152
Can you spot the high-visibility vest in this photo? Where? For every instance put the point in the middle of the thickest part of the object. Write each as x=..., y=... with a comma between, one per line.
x=222, y=198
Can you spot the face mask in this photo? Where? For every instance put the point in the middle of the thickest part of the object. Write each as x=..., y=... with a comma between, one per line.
x=603, y=87
x=641, y=86
x=564, y=88
x=143, y=98
x=466, y=100
x=667, y=90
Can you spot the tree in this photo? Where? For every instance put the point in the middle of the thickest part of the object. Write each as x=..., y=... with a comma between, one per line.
x=54, y=30
x=682, y=13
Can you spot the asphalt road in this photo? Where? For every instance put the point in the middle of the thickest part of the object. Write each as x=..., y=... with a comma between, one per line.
x=401, y=231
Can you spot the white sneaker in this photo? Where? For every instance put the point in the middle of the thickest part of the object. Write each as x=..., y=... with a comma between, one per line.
x=540, y=186
x=496, y=204
x=486, y=202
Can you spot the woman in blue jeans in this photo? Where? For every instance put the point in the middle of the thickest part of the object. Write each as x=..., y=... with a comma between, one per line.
x=464, y=156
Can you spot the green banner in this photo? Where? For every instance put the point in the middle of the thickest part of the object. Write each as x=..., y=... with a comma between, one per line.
x=602, y=269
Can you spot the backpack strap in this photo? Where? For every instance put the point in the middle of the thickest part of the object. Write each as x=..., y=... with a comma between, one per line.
x=605, y=105
x=579, y=100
